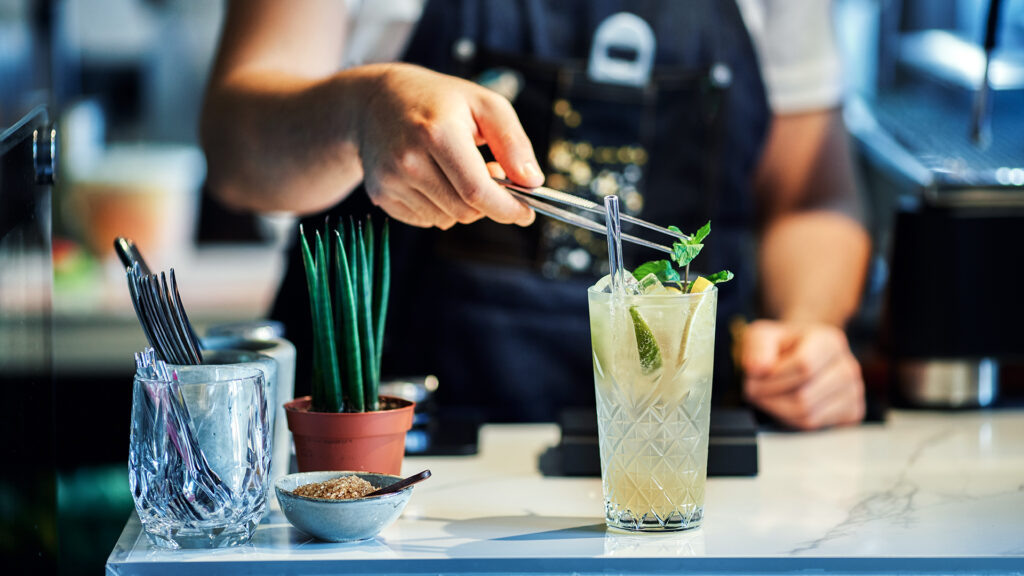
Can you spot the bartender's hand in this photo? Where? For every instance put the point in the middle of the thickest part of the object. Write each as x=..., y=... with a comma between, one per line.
x=418, y=147
x=804, y=375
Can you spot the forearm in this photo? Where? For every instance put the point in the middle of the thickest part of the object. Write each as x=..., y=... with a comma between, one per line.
x=812, y=266
x=814, y=249
x=284, y=143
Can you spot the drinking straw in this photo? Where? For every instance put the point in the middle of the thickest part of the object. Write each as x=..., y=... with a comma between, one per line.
x=614, y=226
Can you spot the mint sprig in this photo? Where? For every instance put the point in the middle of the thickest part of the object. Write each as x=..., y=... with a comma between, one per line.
x=661, y=268
x=685, y=250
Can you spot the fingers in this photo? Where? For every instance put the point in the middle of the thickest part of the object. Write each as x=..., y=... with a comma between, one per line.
x=496, y=170
x=805, y=377
x=842, y=409
x=428, y=209
x=456, y=154
x=415, y=180
x=400, y=211
x=763, y=342
x=420, y=140
x=437, y=187
x=407, y=204
x=811, y=351
x=835, y=397
x=500, y=128
x=797, y=406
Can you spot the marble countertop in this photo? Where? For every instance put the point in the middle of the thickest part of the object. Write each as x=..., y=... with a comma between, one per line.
x=926, y=492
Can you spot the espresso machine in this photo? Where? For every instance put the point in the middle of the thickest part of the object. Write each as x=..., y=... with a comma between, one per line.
x=946, y=143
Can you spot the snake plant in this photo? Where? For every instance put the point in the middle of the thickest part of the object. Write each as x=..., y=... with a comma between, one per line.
x=349, y=277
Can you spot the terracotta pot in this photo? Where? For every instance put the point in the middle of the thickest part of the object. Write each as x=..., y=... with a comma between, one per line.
x=358, y=441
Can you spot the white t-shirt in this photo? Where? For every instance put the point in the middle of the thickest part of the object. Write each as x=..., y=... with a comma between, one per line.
x=797, y=51
x=793, y=39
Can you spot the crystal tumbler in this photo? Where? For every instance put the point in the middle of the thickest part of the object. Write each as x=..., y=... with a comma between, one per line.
x=653, y=362
x=199, y=455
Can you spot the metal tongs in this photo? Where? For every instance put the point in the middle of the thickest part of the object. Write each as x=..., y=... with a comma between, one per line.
x=539, y=198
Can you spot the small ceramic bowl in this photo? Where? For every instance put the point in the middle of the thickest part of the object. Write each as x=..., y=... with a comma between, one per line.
x=340, y=520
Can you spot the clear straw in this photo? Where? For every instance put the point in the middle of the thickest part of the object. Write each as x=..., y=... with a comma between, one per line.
x=614, y=226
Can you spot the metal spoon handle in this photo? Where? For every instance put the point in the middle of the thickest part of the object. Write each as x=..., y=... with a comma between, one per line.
x=401, y=484
x=129, y=254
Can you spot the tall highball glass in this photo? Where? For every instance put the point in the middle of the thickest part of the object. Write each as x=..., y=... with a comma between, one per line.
x=653, y=362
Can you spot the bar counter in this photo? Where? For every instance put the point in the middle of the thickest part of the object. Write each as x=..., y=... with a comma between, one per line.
x=925, y=492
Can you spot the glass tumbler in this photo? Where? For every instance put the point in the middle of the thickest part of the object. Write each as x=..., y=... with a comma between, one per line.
x=199, y=455
x=653, y=362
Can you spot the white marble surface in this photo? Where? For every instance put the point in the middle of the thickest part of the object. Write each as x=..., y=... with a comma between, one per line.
x=925, y=492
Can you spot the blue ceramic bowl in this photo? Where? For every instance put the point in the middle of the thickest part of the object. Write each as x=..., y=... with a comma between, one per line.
x=340, y=520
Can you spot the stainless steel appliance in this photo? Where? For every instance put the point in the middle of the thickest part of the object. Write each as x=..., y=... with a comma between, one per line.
x=955, y=311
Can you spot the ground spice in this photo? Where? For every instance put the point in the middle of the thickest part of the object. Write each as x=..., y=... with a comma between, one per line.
x=344, y=488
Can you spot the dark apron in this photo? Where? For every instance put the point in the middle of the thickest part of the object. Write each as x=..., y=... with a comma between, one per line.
x=499, y=313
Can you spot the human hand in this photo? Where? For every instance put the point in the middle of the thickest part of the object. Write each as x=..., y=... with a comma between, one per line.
x=804, y=375
x=418, y=146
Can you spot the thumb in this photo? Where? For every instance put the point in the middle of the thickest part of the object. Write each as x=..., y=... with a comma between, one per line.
x=763, y=342
x=500, y=128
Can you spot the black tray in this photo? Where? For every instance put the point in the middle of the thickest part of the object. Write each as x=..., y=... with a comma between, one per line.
x=732, y=446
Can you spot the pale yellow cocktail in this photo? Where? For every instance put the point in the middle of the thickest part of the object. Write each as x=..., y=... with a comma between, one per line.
x=653, y=363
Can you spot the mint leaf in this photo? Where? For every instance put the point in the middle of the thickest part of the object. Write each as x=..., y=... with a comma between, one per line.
x=661, y=268
x=719, y=277
x=701, y=233
x=683, y=252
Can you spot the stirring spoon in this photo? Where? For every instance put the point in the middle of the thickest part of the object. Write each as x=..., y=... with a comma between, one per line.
x=401, y=484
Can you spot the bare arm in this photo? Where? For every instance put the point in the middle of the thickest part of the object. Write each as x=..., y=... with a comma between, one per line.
x=814, y=251
x=268, y=142
x=813, y=258
x=283, y=129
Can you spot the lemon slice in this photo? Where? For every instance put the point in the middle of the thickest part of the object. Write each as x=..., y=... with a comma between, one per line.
x=646, y=345
x=701, y=284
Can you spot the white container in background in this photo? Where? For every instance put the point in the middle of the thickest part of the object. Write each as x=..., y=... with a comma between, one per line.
x=283, y=352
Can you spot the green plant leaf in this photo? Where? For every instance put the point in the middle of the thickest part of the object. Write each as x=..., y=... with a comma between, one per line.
x=348, y=345
x=370, y=248
x=381, y=291
x=661, y=268
x=329, y=357
x=364, y=299
x=316, y=386
x=327, y=246
x=348, y=284
x=720, y=277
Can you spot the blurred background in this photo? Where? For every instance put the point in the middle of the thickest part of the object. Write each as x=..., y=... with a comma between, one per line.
x=123, y=81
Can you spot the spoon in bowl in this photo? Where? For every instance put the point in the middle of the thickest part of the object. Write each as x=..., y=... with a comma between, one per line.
x=400, y=485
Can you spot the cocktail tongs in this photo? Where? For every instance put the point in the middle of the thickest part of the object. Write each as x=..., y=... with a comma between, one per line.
x=539, y=198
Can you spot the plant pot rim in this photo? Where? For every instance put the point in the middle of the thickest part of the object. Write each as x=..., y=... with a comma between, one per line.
x=348, y=425
x=301, y=406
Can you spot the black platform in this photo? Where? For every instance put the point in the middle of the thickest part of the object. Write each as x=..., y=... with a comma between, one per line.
x=732, y=446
